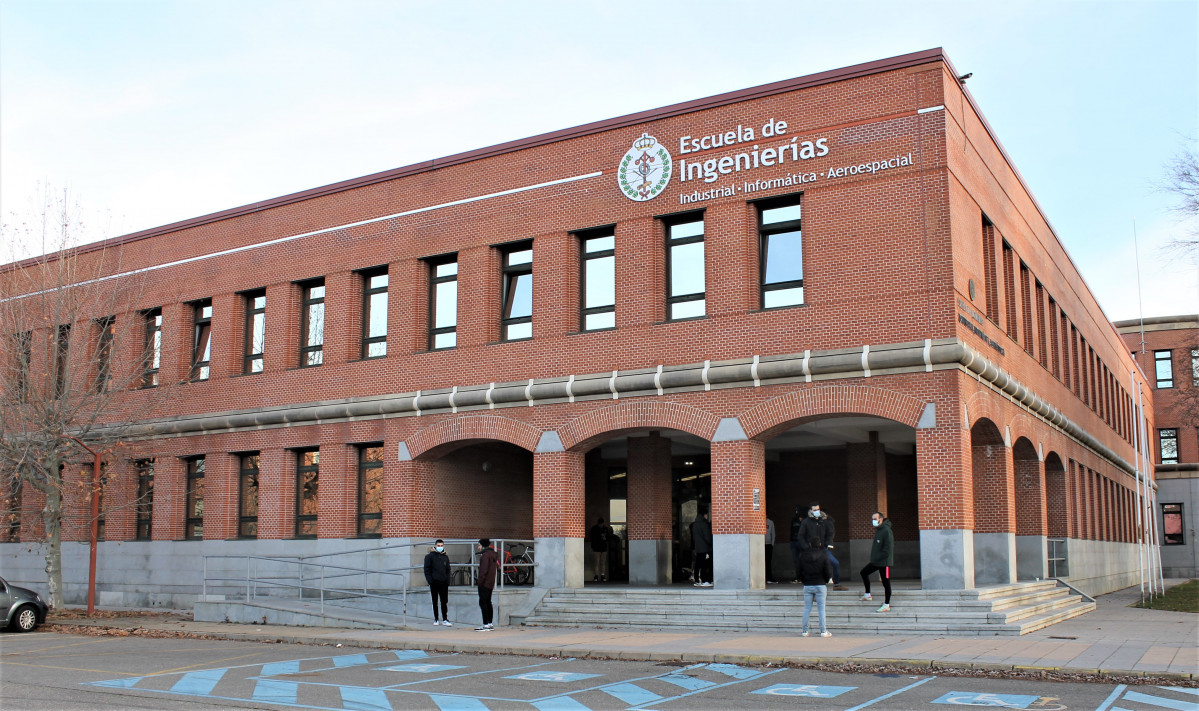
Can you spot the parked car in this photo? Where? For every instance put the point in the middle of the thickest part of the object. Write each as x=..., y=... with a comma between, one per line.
x=23, y=608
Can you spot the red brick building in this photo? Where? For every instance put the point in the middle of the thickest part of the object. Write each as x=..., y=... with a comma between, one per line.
x=832, y=288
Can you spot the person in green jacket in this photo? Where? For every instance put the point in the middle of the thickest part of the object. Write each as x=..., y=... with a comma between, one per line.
x=882, y=557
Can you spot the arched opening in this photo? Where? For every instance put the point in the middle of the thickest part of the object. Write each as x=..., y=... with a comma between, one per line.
x=1031, y=540
x=994, y=525
x=853, y=465
x=649, y=486
x=1057, y=515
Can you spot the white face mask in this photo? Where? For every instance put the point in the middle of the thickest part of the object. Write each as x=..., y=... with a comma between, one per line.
x=875, y=522
x=815, y=513
x=439, y=549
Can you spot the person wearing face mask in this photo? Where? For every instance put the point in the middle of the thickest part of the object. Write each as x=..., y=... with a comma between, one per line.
x=882, y=557
x=819, y=525
x=437, y=575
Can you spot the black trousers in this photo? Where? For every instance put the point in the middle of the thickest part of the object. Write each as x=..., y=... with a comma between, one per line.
x=485, y=604
x=703, y=561
x=440, y=591
x=884, y=573
x=770, y=562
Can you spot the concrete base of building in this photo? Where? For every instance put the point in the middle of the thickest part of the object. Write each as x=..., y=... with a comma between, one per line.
x=650, y=562
x=1098, y=567
x=994, y=558
x=947, y=559
x=560, y=562
x=738, y=561
x=1032, y=556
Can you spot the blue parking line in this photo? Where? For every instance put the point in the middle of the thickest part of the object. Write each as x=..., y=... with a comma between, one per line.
x=1181, y=690
x=475, y=673
x=458, y=703
x=700, y=691
x=631, y=694
x=280, y=668
x=116, y=683
x=687, y=682
x=350, y=660
x=733, y=670
x=276, y=692
x=1159, y=701
x=897, y=692
x=560, y=703
x=358, y=698
x=199, y=683
x=1111, y=698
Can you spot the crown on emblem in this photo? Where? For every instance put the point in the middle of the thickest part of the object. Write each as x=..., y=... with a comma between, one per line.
x=645, y=142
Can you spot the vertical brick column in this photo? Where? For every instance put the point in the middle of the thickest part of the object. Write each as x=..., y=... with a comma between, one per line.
x=479, y=290
x=866, y=474
x=120, y=519
x=650, y=513
x=276, y=492
x=281, y=346
x=555, y=285
x=337, y=498
x=408, y=498
x=731, y=253
x=177, y=325
x=738, y=530
x=407, y=307
x=945, y=484
x=227, y=337
x=994, y=514
x=559, y=522
x=343, y=320
x=220, y=496
x=1032, y=525
x=170, y=494
x=640, y=272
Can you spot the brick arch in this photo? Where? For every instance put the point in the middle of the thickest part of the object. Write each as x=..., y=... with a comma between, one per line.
x=586, y=431
x=982, y=406
x=780, y=413
x=438, y=440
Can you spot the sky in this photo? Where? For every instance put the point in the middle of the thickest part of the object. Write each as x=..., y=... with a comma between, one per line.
x=150, y=112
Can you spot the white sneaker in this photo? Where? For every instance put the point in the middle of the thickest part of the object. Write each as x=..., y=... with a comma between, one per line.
x=803, y=634
x=866, y=598
x=826, y=634
x=884, y=608
x=705, y=585
x=480, y=629
x=489, y=626
x=446, y=623
x=697, y=585
x=437, y=623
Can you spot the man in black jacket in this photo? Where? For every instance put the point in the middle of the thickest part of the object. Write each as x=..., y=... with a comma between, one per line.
x=437, y=575
x=819, y=525
x=701, y=543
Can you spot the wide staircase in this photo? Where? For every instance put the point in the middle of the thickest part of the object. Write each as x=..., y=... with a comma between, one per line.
x=1014, y=609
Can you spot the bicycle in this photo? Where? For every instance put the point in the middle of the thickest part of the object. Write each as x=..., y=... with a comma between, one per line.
x=518, y=570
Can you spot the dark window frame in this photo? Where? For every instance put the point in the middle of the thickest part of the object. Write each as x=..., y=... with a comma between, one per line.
x=1167, y=539
x=302, y=470
x=365, y=471
x=10, y=528
x=105, y=338
x=247, y=526
x=253, y=311
x=152, y=358
x=193, y=526
x=62, y=358
x=434, y=280
x=144, y=504
x=583, y=238
x=1195, y=367
x=510, y=275
x=1165, y=434
x=310, y=352
x=668, y=224
x=24, y=349
x=367, y=292
x=767, y=231
x=201, y=362
x=1166, y=357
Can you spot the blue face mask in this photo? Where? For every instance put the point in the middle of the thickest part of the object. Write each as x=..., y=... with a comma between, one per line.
x=875, y=522
x=440, y=549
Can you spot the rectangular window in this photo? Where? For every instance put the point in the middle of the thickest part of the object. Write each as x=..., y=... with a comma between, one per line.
x=597, y=279
x=312, y=324
x=24, y=350
x=194, y=523
x=307, y=471
x=1163, y=366
x=152, y=351
x=780, y=247
x=374, y=313
x=101, y=509
x=516, y=322
x=105, y=334
x=685, y=276
x=201, y=339
x=1168, y=445
x=1009, y=289
x=10, y=525
x=62, y=350
x=247, y=496
x=370, y=491
x=1172, y=530
x=252, y=358
x=990, y=271
x=443, y=302
x=1195, y=366
x=145, y=498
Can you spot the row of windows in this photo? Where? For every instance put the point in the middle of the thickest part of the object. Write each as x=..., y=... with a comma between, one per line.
x=781, y=285
x=1033, y=319
x=1163, y=368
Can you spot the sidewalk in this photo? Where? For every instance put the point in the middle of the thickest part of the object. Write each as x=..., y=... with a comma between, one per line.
x=1113, y=640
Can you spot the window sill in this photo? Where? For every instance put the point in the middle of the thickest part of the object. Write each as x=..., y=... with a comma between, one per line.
x=593, y=330
x=510, y=340
x=779, y=308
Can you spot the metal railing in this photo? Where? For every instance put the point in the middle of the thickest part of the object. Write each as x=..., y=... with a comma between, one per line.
x=314, y=578
x=1059, y=560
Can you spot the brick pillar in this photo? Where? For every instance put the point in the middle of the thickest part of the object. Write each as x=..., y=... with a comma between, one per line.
x=170, y=493
x=645, y=267
x=866, y=474
x=559, y=519
x=408, y=498
x=1032, y=524
x=943, y=463
x=281, y=346
x=479, y=321
x=731, y=253
x=994, y=515
x=555, y=285
x=337, y=500
x=120, y=519
x=227, y=337
x=220, y=496
x=276, y=493
x=650, y=515
x=343, y=323
x=738, y=526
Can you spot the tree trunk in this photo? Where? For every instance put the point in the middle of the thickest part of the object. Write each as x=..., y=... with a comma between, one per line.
x=52, y=517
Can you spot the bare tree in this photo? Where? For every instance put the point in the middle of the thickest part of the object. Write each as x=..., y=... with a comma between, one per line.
x=1182, y=180
x=73, y=354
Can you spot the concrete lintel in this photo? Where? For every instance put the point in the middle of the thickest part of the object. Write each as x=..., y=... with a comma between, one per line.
x=550, y=442
x=928, y=418
x=404, y=454
x=729, y=430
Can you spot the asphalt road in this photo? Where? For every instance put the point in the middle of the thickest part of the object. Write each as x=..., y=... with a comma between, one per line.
x=42, y=671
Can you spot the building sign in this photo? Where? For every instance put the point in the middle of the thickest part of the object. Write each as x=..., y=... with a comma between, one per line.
x=645, y=169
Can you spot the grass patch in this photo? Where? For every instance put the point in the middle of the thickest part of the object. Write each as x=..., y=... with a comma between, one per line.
x=1180, y=598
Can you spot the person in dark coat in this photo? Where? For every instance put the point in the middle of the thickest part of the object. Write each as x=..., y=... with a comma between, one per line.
x=797, y=544
x=437, y=575
x=599, y=534
x=489, y=568
x=815, y=571
x=882, y=557
x=818, y=524
x=701, y=543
